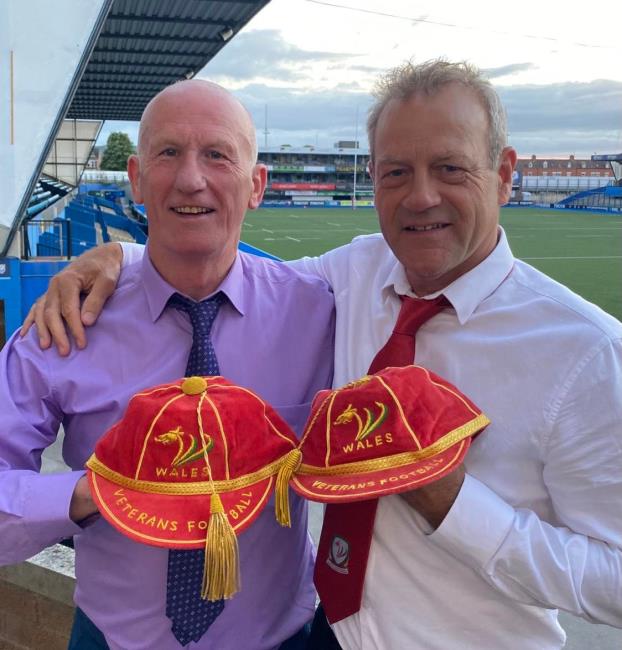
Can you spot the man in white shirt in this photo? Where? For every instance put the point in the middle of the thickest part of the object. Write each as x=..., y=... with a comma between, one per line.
x=533, y=521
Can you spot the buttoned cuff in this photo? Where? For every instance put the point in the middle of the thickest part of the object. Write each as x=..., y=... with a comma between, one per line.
x=476, y=525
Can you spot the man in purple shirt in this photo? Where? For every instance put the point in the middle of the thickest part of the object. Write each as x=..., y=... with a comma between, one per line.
x=196, y=172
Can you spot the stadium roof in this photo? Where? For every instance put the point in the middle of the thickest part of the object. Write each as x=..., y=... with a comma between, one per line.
x=145, y=45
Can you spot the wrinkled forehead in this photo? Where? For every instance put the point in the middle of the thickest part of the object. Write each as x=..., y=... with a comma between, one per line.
x=203, y=111
x=448, y=119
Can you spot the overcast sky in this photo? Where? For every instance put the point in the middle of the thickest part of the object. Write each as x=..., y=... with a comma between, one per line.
x=310, y=65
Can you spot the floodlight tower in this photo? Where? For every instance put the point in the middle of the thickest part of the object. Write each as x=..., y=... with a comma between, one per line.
x=615, y=162
x=356, y=144
x=266, y=133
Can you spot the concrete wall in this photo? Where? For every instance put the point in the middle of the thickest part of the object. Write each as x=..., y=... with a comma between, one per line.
x=36, y=601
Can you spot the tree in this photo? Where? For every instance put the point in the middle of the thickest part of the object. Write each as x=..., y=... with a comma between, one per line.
x=118, y=149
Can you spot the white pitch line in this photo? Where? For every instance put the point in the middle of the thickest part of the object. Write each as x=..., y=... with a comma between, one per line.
x=330, y=223
x=270, y=231
x=363, y=230
x=268, y=238
x=587, y=257
x=561, y=227
x=294, y=216
x=586, y=236
x=292, y=238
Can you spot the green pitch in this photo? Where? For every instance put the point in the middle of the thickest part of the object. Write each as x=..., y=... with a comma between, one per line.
x=583, y=250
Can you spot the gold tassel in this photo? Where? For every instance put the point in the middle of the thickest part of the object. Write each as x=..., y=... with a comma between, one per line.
x=221, y=573
x=281, y=501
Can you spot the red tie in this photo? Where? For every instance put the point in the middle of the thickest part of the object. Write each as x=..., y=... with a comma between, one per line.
x=348, y=527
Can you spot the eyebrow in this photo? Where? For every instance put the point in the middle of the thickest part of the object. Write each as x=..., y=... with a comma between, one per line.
x=454, y=157
x=457, y=158
x=159, y=141
x=389, y=161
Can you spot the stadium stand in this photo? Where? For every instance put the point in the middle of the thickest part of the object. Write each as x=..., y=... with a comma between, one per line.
x=135, y=49
x=607, y=197
x=310, y=177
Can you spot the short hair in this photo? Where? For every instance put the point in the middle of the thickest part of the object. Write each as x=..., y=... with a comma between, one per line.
x=405, y=80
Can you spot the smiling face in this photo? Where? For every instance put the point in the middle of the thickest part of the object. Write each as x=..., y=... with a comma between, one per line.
x=436, y=195
x=196, y=174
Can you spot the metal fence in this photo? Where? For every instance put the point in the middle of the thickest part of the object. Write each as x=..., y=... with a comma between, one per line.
x=49, y=238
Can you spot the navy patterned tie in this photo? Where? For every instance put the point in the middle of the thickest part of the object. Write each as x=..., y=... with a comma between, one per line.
x=190, y=614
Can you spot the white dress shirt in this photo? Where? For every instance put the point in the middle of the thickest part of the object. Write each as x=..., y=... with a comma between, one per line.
x=537, y=524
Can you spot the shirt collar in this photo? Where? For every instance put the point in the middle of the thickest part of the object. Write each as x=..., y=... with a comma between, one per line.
x=469, y=290
x=158, y=290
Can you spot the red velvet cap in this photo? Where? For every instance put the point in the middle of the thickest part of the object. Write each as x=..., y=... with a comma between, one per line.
x=390, y=432
x=191, y=465
x=153, y=472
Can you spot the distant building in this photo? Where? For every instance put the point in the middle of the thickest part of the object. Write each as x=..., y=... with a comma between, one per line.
x=562, y=174
x=94, y=161
x=308, y=175
x=312, y=176
x=347, y=144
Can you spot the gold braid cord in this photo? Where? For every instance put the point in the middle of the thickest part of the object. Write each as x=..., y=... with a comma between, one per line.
x=199, y=487
x=399, y=460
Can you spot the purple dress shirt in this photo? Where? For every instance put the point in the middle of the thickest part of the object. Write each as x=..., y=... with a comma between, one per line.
x=274, y=336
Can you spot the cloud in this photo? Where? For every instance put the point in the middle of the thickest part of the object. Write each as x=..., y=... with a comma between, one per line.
x=505, y=70
x=560, y=118
x=595, y=105
x=265, y=54
x=555, y=118
x=307, y=117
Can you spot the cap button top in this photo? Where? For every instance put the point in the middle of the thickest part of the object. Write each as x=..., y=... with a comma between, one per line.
x=194, y=385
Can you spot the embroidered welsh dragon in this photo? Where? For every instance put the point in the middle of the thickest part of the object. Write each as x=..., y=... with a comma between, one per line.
x=184, y=455
x=371, y=423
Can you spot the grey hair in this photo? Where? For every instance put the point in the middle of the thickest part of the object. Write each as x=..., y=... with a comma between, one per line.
x=405, y=80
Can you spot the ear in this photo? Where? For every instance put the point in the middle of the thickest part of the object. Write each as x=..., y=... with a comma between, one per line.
x=259, y=180
x=507, y=162
x=133, y=172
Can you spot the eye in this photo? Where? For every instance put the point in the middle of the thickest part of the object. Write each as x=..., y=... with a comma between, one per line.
x=212, y=154
x=393, y=177
x=451, y=173
x=168, y=152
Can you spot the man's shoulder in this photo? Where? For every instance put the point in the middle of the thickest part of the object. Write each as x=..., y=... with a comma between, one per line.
x=263, y=270
x=130, y=279
x=563, y=304
x=367, y=243
x=360, y=249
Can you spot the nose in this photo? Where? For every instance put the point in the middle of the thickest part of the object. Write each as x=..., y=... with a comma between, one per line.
x=423, y=193
x=190, y=176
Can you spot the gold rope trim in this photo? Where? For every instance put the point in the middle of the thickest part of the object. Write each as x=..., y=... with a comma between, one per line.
x=223, y=436
x=397, y=402
x=405, y=458
x=221, y=567
x=151, y=427
x=327, y=497
x=168, y=541
x=329, y=417
x=281, y=493
x=309, y=426
x=447, y=389
x=200, y=487
x=265, y=414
